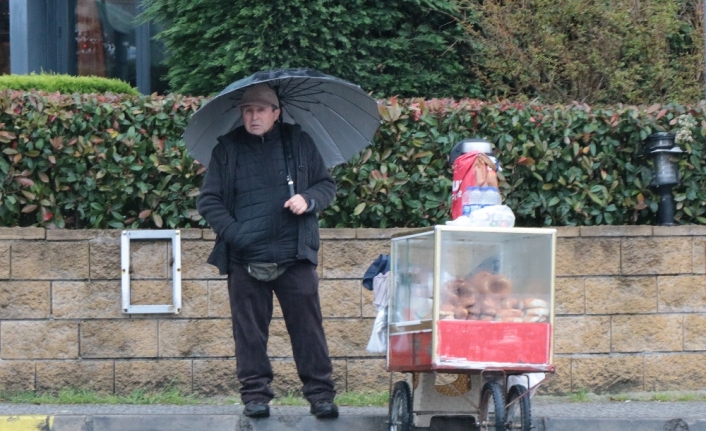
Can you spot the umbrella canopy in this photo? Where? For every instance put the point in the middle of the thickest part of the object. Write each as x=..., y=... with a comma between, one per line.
x=338, y=115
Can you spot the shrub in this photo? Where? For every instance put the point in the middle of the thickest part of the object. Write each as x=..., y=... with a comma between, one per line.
x=96, y=161
x=107, y=161
x=563, y=164
x=592, y=51
x=394, y=47
x=65, y=84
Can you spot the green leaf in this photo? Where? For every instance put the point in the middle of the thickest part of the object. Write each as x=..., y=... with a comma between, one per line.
x=157, y=219
x=359, y=209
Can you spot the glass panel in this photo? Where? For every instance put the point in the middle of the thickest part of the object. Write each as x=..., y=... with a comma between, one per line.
x=105, y=38
x=495, y=276
x=413, y=270
x=158, y=70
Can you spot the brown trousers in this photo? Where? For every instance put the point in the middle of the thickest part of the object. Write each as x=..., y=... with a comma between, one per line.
x=251, y=303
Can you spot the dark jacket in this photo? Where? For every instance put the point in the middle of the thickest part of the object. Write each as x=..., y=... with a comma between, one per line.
x=216, y=201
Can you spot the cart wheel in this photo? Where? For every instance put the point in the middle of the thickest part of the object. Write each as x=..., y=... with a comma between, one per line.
x=519, y=415
x=400, y=407
x=492, y=407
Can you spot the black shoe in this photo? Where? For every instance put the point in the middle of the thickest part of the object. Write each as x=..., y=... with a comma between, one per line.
x=256, y=410
x=324, y=410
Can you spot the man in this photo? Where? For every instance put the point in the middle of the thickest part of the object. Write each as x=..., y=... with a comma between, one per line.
x=267, y=242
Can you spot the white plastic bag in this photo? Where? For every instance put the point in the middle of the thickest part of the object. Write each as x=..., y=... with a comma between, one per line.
x=533, y=379
x=378, y=339
x=488, y=216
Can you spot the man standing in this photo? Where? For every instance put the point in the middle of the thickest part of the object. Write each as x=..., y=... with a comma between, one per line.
x=267, y=242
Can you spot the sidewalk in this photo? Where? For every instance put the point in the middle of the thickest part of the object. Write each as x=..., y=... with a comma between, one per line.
x=549, y=413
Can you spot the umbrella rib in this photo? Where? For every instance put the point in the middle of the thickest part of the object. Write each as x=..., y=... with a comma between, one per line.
x=295, y=92
x=325, y=128
x=318, y=102
x=322, y=126
x=310, y=91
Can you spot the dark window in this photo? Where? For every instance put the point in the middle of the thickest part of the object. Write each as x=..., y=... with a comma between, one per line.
x=4, y=37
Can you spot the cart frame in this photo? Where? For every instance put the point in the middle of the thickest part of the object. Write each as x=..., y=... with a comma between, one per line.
x=487, y=381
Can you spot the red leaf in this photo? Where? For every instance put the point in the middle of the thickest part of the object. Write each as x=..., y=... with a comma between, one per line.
x=29, y=208
x=145, y=213
x=653, y=108
x=57, y=142
x=25, y=182
x=526, y=161
x=661, y=113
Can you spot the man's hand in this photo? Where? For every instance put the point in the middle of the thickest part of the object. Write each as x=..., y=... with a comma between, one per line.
x=296, y=204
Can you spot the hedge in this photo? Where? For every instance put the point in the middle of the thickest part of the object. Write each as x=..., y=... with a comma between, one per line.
x=392, y=47
x=106, y=161
x=65, y=84
x=96, y=161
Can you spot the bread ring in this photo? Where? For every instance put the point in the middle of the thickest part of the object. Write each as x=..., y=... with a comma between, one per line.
x=445, y=315
x=480, y=282
x=534, y=303
x=489, y=305
x=535, y=318
x=489, y=310
x=467, y=301
x=475, y=309
x=511, y=319
x=460, y=313
x=511, y=303
x=509, y=312
x=499, y=285
x=537, y=311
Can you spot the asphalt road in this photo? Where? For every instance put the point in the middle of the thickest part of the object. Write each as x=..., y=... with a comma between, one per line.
x=550, y=414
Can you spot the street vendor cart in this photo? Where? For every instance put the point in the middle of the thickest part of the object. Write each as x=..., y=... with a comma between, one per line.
x=470, y=321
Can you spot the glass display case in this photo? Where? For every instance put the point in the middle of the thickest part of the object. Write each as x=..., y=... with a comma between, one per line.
x=472, y=298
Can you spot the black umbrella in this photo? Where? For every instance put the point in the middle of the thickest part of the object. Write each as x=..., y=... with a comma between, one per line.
x=338, y=115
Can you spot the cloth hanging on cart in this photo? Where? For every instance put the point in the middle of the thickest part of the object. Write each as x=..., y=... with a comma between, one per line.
x=381, y=289
x=379, y=266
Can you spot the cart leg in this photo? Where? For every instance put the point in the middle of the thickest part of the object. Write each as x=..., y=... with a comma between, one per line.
x=492, y=407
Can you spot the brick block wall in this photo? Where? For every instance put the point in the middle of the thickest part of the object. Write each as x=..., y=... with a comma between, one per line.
x=630, y=305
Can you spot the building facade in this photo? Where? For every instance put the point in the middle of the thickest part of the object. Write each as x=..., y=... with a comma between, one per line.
x=83, y=37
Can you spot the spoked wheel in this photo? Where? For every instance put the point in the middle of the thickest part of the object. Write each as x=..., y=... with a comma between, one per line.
x=492, y=407
x=519, y=415
x=400, y=407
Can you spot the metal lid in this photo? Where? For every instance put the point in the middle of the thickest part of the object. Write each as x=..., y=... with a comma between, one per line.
x=660, y=140
x=468, y=145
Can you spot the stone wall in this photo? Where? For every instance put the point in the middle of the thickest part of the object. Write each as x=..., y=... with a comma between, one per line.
x=630, y=303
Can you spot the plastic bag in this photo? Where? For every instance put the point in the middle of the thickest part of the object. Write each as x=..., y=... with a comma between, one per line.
x=533, y=379
x=378, y=339
x=489, y=216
